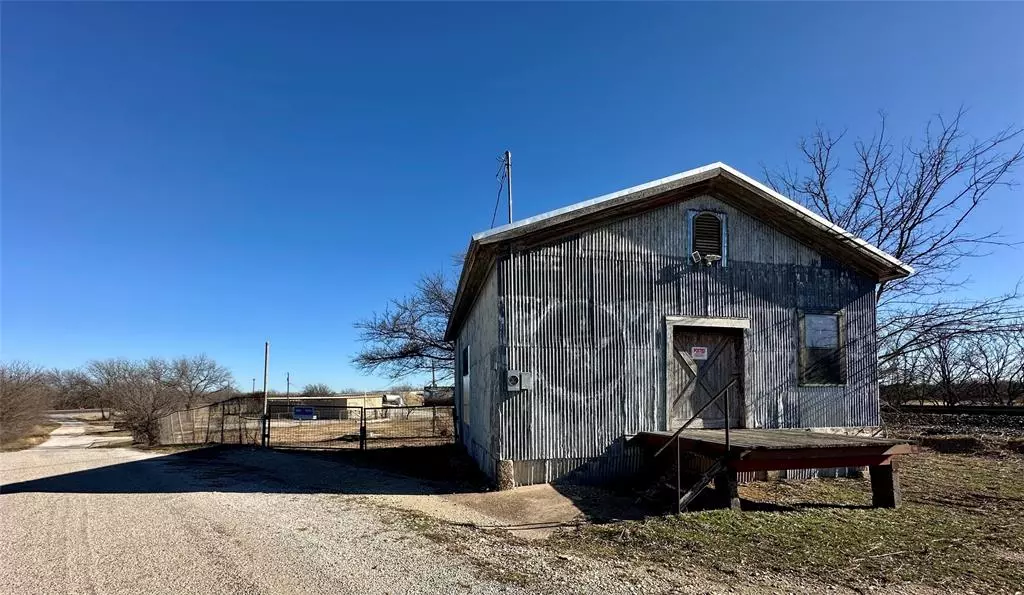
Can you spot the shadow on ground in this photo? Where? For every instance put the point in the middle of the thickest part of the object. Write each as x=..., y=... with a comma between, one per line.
x=431, y=470
x=426, y=470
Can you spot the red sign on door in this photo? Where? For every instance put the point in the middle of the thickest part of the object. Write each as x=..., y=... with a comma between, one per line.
x=699, y=352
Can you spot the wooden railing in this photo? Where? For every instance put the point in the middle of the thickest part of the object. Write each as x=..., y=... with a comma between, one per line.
x=682, y=500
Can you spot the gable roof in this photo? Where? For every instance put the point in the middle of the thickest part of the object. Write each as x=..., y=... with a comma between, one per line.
x=717, y=179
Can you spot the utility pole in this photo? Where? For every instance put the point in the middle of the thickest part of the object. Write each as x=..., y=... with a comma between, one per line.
x=433, y=378
x=266, y=368
x=254, y=386
x=508, y=180
x=288, y=381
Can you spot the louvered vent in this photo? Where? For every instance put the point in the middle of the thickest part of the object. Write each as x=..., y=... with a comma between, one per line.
x=707, y=234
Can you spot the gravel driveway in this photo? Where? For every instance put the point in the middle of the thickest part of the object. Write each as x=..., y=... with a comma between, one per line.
x=248, y=520
x=117, y=520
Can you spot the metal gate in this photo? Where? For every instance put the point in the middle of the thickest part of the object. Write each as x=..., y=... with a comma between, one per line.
x=334, y=427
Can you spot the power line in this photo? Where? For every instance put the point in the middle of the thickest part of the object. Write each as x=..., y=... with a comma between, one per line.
x=503, y=175
x=508, y=182
x=501, y=185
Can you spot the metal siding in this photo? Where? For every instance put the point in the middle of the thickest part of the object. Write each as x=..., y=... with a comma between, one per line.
x=586, y=316
x=482, y=333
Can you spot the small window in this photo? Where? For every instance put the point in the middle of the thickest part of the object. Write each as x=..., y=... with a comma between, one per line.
x=822, y=358
x=707, y=238
x=464, y=370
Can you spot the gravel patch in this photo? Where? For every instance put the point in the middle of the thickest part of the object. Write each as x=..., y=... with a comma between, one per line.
x=249, y=521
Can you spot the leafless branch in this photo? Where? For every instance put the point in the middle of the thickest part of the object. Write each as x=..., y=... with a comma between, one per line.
x=915, y=199
x=407, y=338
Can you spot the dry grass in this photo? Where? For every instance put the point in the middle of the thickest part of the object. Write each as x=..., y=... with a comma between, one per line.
x=37, y=435
x=961, y=526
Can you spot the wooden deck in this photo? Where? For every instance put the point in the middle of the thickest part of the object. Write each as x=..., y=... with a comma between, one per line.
x=776, y=450
x=713, y=441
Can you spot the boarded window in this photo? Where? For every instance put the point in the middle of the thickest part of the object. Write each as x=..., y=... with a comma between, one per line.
x=822, y=358
x=707, y=235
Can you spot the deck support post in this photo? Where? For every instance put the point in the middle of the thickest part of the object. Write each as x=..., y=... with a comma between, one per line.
x=885, y=485
x=727, y=489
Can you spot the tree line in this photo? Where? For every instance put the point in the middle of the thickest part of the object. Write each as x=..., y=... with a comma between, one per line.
x=952, y=370
x=140, y=391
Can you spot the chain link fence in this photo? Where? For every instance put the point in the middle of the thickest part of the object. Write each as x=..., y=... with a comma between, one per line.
x=239, y=421
x=329, y=426
x=234, y=421
x=409, y=426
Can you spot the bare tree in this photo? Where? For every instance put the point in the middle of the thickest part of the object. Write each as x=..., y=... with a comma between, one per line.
x=24, y=396
x=997, y=363
x=317, y=390
x=914, y=199
x=948, y=369
x=904, y=378
x=144, y=392
x=199, y=377
x=104, y=376
x=71, y=389
x=408, y=337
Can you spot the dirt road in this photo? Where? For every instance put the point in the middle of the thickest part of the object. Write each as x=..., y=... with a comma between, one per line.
x=117, y=520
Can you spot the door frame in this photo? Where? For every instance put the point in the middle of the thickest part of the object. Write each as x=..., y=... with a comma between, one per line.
x=703, y=323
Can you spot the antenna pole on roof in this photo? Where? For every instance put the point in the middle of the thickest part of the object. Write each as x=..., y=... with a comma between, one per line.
x=508, y=179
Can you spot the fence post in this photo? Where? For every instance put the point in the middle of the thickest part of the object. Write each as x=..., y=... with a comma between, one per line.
x=362, y=428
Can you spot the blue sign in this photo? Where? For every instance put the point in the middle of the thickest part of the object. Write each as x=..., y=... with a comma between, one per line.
x=303, y=413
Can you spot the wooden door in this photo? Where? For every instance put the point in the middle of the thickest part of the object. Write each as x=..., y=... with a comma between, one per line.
x=704, y=361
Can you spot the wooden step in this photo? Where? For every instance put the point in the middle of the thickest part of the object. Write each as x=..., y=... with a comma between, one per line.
x=704, y=481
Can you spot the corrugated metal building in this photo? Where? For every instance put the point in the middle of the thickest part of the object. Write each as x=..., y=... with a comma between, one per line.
x=610, y=306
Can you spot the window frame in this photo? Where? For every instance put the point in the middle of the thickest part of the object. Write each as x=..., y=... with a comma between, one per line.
x=723, y=221
x=803, y=350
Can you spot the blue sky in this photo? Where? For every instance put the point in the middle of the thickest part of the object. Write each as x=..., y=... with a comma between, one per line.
x=183, y=177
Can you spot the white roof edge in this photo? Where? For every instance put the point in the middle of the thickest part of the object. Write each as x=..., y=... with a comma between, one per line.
x=682, y=179
x=598, y=200
x=815, y=218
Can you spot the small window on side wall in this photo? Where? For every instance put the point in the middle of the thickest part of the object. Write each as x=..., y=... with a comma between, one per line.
x=464, y=412
x=708, y=243
x=822, y=354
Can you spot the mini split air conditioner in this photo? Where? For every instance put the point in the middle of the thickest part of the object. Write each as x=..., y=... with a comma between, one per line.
x=517, y=380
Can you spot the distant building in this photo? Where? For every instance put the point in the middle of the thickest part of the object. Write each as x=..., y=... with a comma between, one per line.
x=438, y=395
x=392, y=400
x=578, y=328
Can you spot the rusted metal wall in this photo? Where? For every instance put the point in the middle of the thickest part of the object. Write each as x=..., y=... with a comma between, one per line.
x=586, y=316
x=481, y=332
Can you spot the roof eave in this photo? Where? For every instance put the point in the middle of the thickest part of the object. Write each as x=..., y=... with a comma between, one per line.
x=467, y=267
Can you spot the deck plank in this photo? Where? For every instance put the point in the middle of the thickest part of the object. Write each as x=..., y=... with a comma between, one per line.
x=760, y=439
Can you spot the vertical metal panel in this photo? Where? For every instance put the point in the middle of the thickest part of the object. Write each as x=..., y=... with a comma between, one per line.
x=481, y=332
x=586, y=316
